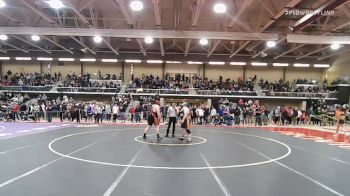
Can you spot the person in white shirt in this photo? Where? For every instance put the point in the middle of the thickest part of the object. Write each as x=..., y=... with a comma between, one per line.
x=185, y=122
x=212, y=114
x=115, y=111
x=200, y=114
x=43, y=110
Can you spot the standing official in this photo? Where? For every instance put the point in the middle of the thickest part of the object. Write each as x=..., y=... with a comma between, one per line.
x=172, y=114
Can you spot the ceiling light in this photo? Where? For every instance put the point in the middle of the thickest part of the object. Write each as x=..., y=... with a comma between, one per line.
x=56, y=4
x=219, y=8
x=155, y=61
x=4, y=58
x=87, y=60
x=301, y=65
x=3, y=37
x=132, y=61
x=44, y=59
x=23, y=58
x=109, y=60
x=148, y=40
x=335, y=46
x=270, y=44
x=203, y=41
x=66, y=59
x=35, y=38
x=136, y=5
x=97, y=39
x=258, y=64
x=280, y=64
x=2, y=3
x=173, y=62
x=238, y=63
x=321, y=65
x=216, y=63
x=195, y=62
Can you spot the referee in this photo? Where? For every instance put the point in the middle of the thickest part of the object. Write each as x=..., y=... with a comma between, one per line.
x=172, y=119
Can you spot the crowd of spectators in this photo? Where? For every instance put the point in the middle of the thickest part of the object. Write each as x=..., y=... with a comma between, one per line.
x=22, y=107
x=222, y=112
x=172, y=84
x=225, y=87
x=56, y=79
x=177, y=84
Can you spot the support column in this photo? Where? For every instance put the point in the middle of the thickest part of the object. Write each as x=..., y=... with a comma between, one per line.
x=1, y=70
x=81, y=68
x=204, y=66
x=41, y=68
x=163, y=70
x=123, y=71
x=244, y=72
x=284, y=73
x=209, y=103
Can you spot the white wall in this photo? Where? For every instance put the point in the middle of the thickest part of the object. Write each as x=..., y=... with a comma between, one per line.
x=21, y=67
x=105, y=68
x=340, y=68
x=267, y=73
x=226, y=71
x=304, y=73
x=181, y=68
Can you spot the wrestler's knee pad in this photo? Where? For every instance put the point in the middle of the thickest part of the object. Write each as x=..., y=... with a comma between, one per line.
x=188, y=131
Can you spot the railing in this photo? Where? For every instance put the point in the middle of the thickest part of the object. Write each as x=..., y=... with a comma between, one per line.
x=225, y=92
x=157, y=91
x=300, y=94
x=327, y=119
x=88, y=89
x=59, y=89
x=194, y=91
x=26, y=88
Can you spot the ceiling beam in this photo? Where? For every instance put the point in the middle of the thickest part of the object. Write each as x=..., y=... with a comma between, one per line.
x=57, y=44
x=309, y=18
x=86, y=5
x=177, y=7
x=244, y=6
x=194, y=21
x=142, y=49
x=313, y=52
x=317, y=39
x=156, y=9
x=49, y=20
x=86, y=21
x=12, y=19
x=334, y=54
x=30, y=43
x=140, y=33
x=123, y=7
x=82, y=44
x=288, y=51
x=266, y=7
x=15, y=47
x=291, y=4
x=3, y=51
x=302, y=45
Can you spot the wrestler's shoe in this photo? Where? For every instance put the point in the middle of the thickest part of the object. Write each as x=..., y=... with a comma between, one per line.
x=189, y=139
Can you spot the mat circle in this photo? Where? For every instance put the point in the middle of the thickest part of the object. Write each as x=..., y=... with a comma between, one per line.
x=196, y=140
x=69, y=156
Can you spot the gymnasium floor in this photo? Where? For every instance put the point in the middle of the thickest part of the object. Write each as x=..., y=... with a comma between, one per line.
x=113, y=160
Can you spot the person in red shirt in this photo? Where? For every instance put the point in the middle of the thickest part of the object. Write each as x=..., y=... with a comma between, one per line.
x=15, y=111
x=132, y=113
